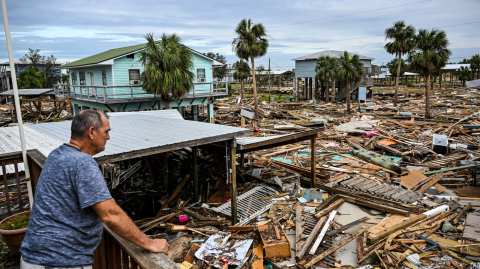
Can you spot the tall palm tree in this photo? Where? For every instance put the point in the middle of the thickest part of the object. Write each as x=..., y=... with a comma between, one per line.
x=242, y=72
x=251, y=42
x=351, y=70
x=326, y=69
x=431, y=51
x=402, y=37
x=167, y=67
x=464, y=74
x=475, y=64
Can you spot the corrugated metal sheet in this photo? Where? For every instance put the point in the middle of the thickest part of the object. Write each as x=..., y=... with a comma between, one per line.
x=142, y=131
x=10, y=142
x=24, y=92
x=130, y=132
x=166, y=113
x=473, y=83
x=253, y=140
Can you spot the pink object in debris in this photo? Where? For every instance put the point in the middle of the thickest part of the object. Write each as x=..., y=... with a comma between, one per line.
x=183, y=218
x=370, y=133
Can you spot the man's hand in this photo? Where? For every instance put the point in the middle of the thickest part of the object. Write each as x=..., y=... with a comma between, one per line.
x=158, y=245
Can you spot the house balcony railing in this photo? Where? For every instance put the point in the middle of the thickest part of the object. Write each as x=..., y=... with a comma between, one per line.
x=126, y=93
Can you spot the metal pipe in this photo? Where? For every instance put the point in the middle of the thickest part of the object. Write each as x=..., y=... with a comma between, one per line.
x=17, y=102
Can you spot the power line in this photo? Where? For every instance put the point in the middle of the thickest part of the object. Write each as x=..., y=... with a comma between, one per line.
x=338, y=40
x=356, y=13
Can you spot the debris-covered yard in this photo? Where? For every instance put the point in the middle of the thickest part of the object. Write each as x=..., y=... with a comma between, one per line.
x=392, y=189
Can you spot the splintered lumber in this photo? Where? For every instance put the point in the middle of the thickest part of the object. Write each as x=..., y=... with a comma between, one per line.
x=360, y=249
x=310, y=238
x=463, y=212
x=348, y=226
x=246, y=228
x=330, y=208
x=354, y=198
x=284, y=151
x=334, y=248
x=273, y=196
x=257, y=261
x=299, y=224
x=323, y=232
x=378, y=236
x=429, y=184
x=196, y=215
x=452, y=169
x=174, y=195
x=378, y=206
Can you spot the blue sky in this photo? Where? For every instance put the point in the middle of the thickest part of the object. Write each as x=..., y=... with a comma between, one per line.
x=72, y=30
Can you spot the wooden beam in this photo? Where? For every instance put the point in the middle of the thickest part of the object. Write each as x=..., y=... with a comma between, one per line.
x=382, y=234
x=195, y=174
x=310, y=238
x=313, y=153
x=233, y=182
x=333, y=249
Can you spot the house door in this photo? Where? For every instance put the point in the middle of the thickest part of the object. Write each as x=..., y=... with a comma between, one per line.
x=91, y=83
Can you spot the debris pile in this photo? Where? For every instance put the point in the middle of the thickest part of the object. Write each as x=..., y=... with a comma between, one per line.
x=390, y=190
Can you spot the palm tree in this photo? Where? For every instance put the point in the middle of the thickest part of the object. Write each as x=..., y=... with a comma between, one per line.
x=251, y=42
x=464, y=74
x=475, y=64
x=326, y=69
x=351, y=70
x=167, y=67
x=393, y=68
x=402, y=37
x=242, y=72
x=431, y=51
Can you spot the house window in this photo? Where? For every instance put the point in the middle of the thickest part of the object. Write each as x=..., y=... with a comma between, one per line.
x=134, y=76
x=104, y=77
x=82, y=78
x=131, y=55
x=74, y=78
x=201, y=75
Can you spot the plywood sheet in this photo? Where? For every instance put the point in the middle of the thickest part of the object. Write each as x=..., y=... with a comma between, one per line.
x=472, y=227
x=388, y=222
x=413, y=178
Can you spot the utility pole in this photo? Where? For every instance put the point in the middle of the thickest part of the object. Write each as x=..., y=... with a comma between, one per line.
x=17, y=103
x=269, y=81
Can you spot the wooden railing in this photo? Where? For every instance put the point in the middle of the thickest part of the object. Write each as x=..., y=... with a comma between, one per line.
x=114, y=252
x=12, y=202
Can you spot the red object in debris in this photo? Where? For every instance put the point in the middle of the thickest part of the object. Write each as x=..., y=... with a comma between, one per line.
x=224, y=261
x=257, y=130
x=229, y=200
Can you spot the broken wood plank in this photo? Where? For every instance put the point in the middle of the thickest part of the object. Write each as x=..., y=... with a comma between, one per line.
x=429, y=184
x=323, y=232
x=333, y=249
x=310, y=238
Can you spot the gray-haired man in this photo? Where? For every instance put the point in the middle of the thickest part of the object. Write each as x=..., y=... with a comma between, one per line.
x=72, y=200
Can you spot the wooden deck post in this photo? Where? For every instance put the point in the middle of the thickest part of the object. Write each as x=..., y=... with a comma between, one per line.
x=195, y=174
x=233, y=182
x=165, y=170
x=313, y=152
x=242, y=159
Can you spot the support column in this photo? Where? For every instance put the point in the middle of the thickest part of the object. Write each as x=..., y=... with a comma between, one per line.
x=76, y=109
x=165, y=170
x=305, y=89
x=233, y=181
x=195, y=112
x=210, y=113
x=310, y=85
x=313, y=153
x=242, y=160
x=195, y=174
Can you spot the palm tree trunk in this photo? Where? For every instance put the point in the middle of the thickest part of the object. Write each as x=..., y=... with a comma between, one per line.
x=427, y=97
x=395, y=99
x=167, y=104
x=241, y=90
x=333, y=91
x=254, y=88
x=348, y=96
x=327, y=89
